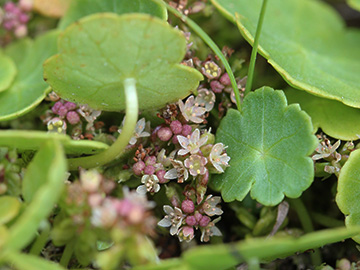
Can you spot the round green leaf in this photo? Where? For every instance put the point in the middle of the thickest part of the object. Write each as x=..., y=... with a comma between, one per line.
x=355, y=4
x=9, y=208
x=82, y=8
x=306, y=42
x=28, y=88
x=100, y=51
x=7, y=71
x=33, y=140
x=269, y=143
x=333, y=117
x=348, y=191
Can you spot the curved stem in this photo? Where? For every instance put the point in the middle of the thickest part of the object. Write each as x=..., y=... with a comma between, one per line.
x=205, y=37
x=132, y=111
x=307, y=225
x=40, y=241
x=255, y=48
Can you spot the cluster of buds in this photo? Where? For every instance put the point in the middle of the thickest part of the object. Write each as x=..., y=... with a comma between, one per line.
x=186, y=8
x=333, y=156
x=89, y=198
x=64, y=113
x=187, y=217
x=15, y=16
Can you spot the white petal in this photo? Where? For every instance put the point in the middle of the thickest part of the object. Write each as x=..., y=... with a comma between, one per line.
x=165, y=222
x=141, y=189
x=171, y=174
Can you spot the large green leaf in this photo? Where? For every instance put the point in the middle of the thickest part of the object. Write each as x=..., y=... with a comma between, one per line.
x=348, y=191
x=306, y=42
x=33, y=140
x=7, y=71
x=355, y=4
x=9, y=208
x=28, y=88
x=24, y=229
x=82, y=8
x=269, y=143
x=333, y=117
x=100, y=51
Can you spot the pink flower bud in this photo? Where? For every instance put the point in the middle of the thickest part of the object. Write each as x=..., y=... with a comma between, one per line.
x=188, y=206
x=149, y=170
x=160, y=175
x=204, y=221
x=62, y=111
x=138, y=167
x=164, y=134
x=216, y=86
x=150, y=160
x=191, y=221
x=70, y=105
x=73, y=117
x=56, y=107
x=186, y=130
x=225, y=79
x=176, y=127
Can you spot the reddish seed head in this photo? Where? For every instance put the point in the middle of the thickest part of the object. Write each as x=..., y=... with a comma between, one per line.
x=176, y=127
x=73, y=117
x=138, y=167
x=187, y=206
x=164, y=134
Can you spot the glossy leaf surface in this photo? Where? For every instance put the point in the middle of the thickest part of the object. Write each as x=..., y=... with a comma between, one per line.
x=7, y=71
x=101, y=51
x=33, y=140
x=348, y=191
x=306, y=42
x=28, y=88
x=24, y=229
x=9, y=208
x=82, y=8
x=333, y=117
x=269, y=143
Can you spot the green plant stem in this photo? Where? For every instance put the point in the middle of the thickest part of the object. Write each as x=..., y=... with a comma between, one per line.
x=67, y=254
x=254, y=49
x=205, y=37
x=307, y=225
x=132, y=111
x=40, y=241
x=326, y=220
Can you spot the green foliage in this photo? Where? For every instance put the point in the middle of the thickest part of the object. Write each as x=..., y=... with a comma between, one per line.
x=269, y=143
x=7, y=71
x=306, y=42
x=333, y=117
x=101, y=51
x=82, y=8
x=28, y=88
x=355, y=4
x=348, y=191
x=24, y=229
x=9, y=208
x=33, y=140
x=30, y=262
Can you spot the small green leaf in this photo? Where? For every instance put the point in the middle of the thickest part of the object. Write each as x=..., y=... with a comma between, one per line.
x=269, y=143
x=24, y=229
x=30, y=262
x=33, y=140
x=333, y=117
x=306, y=42
x=82, y=8
x=100, y=51
x=7, y=71
x=9, y=208
x=28, y=89
x=348, y=191
x=355, y=4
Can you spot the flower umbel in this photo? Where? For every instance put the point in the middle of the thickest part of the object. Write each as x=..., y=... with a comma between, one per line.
x=191, y=144
x=173, y=218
